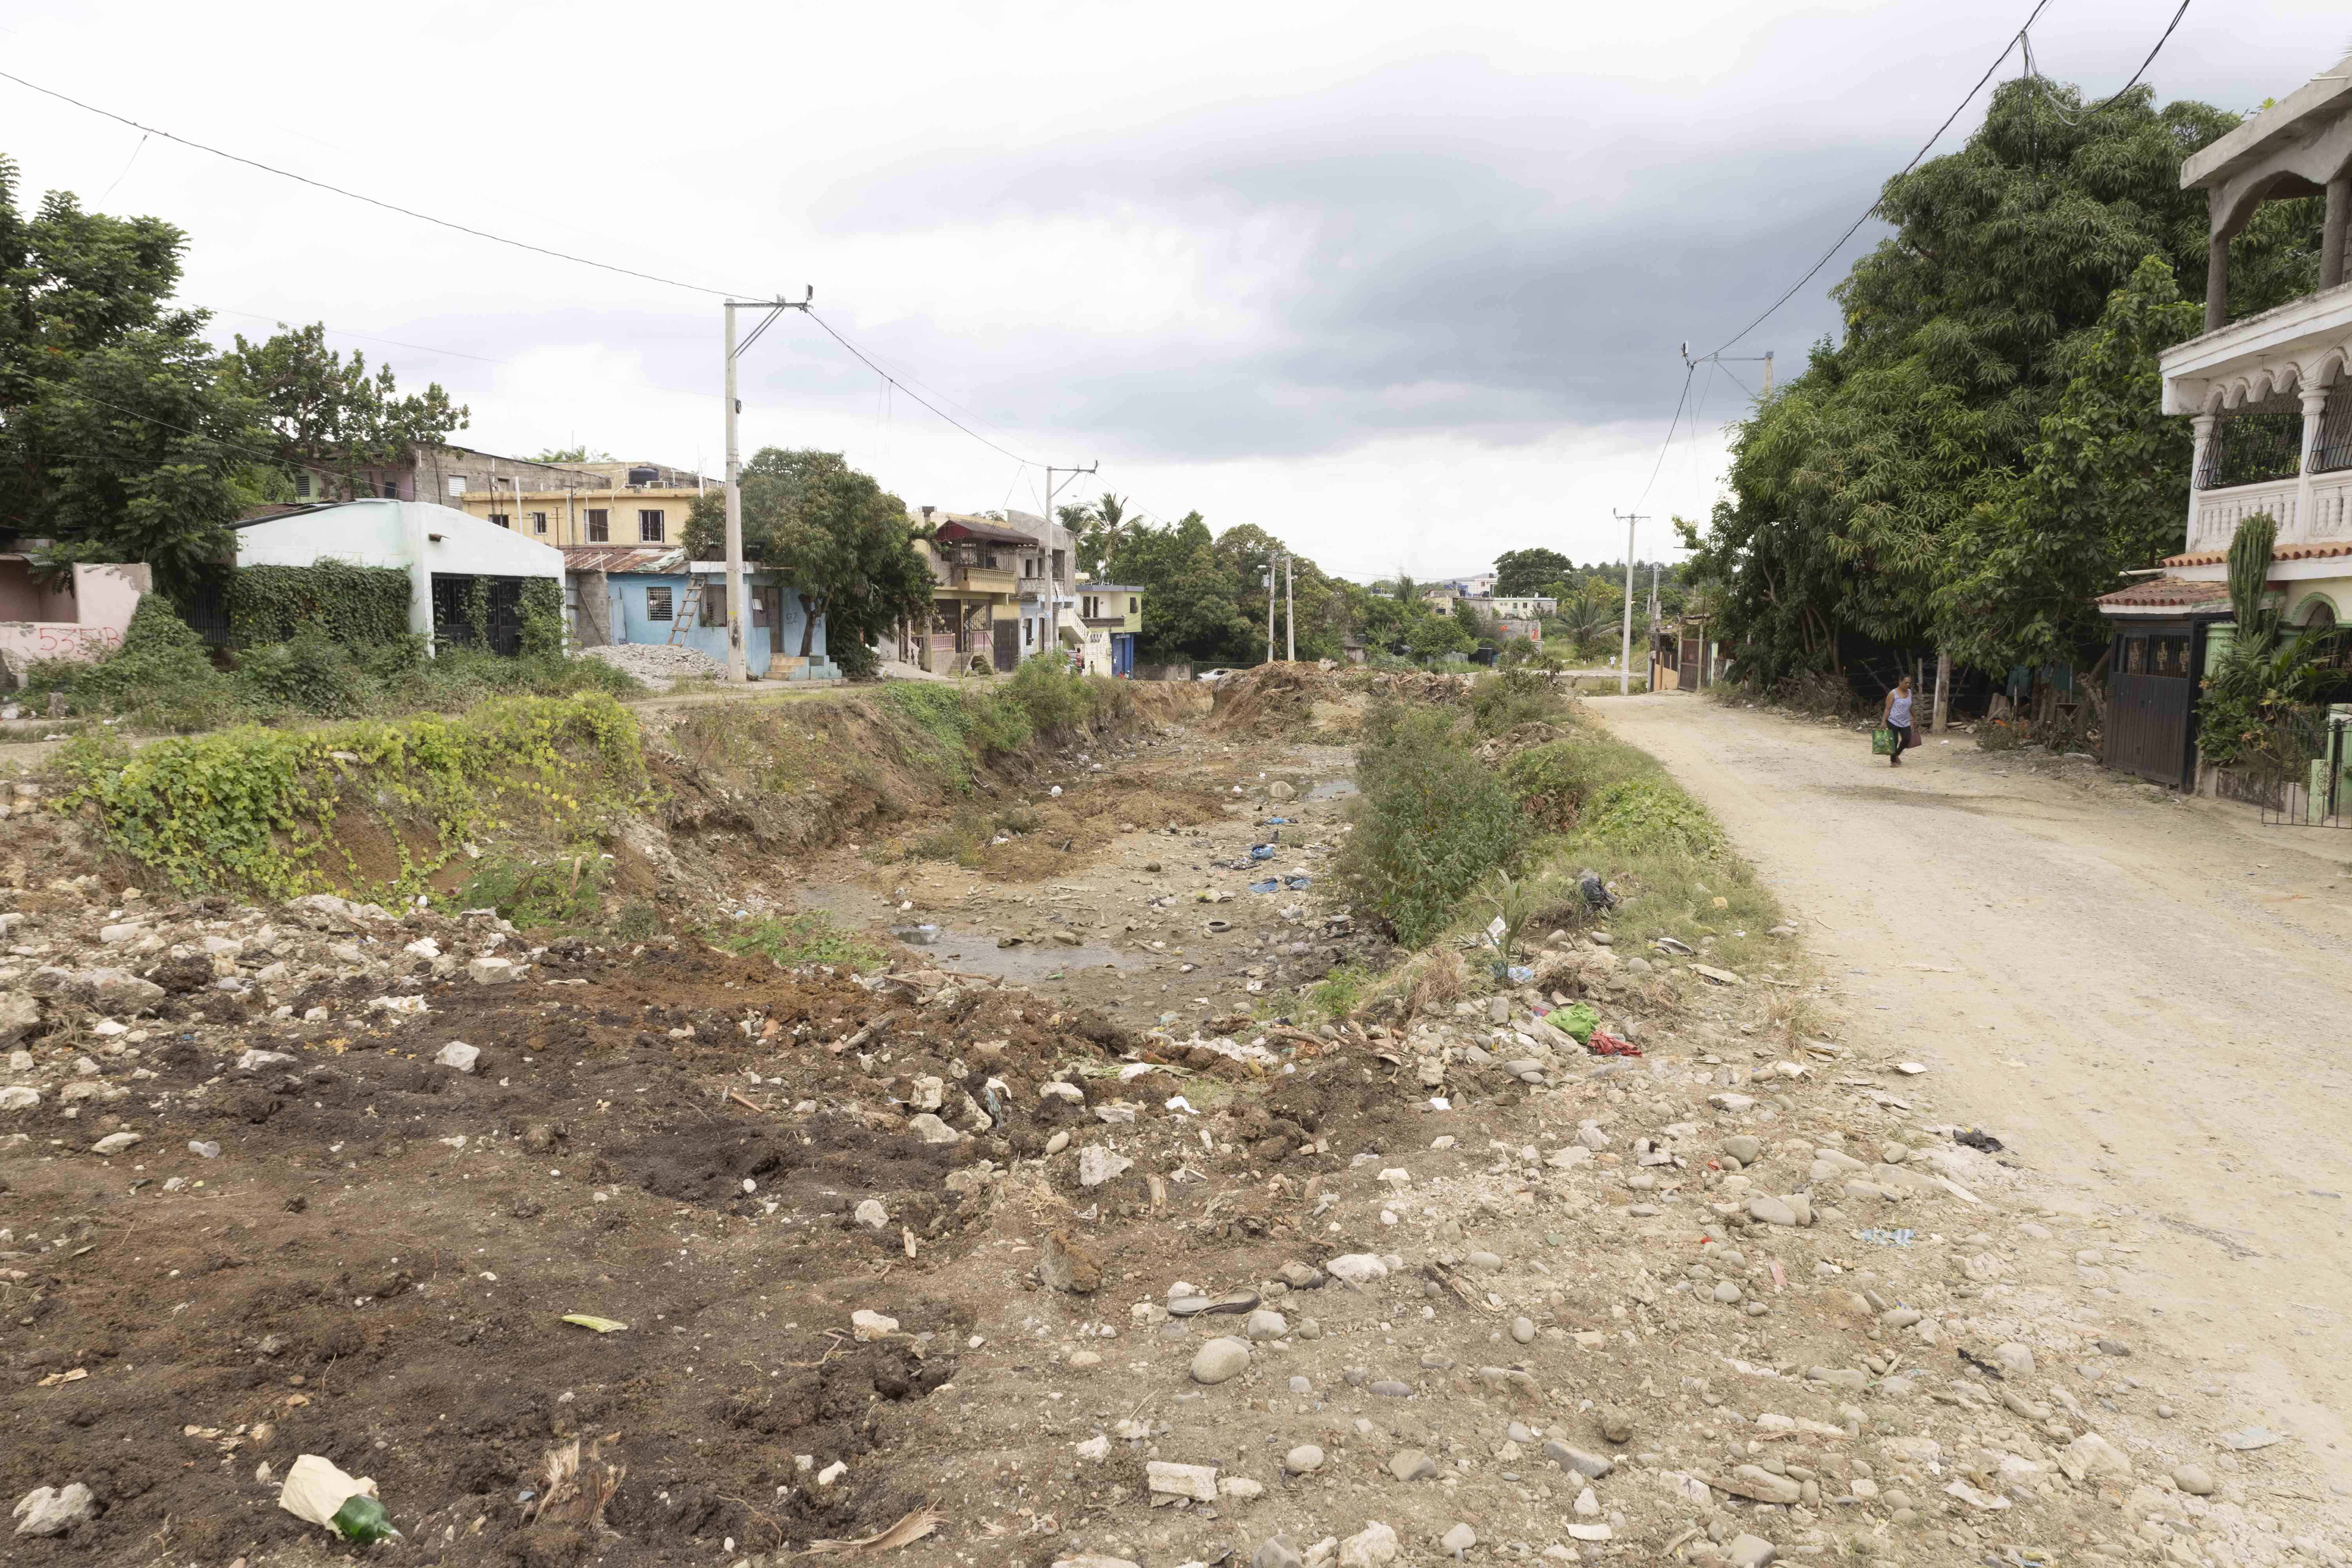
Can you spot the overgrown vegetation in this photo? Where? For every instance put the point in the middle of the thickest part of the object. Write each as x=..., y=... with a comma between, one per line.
x=378, y=808
x=164, y=679
x=2270, y=674
x=811, y=938
x=356, y=606
x=1442, y=844
x=954, y=725
x=559, y=892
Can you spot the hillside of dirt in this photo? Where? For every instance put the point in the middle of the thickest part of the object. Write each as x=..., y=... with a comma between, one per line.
x=1043, y=1274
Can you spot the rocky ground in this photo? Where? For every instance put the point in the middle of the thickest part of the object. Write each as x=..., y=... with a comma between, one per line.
x=1142, y=1281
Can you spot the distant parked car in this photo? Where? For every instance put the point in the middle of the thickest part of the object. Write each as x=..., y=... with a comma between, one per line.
x=1213, y=674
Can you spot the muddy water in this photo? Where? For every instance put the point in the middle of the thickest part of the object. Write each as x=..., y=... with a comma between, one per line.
x=976, y=953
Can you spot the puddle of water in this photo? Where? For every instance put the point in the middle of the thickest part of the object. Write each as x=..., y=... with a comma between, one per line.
x=1332, y=789
x=976, y=953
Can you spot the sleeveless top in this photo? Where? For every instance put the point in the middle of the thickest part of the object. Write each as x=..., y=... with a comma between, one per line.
x=1898, y=716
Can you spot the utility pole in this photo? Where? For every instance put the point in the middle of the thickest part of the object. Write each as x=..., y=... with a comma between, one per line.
x=1053, y=578
x=1289, y=612
x=1943, y=686
x=1271, y=567
x=1768, y=375
x=738, y=604
x=1625, y=658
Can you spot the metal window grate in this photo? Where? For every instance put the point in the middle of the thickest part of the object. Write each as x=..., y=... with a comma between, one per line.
x=657, y=603
x=2255, y=444
x=2335, y=447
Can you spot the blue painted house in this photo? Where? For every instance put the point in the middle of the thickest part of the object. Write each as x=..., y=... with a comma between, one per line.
x=654, y=594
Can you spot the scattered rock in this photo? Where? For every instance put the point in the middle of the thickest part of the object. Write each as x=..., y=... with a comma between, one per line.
x=44, y=1511
x=1747, y=1551
x=871, y=1325
x=1220, y=1361
x=2193, y=1479
x=1411, y=1465
x=1276, y=1553
x=492, y=970
x=2014, y=1358
x=456, y=1054
x=1064, y=1265
x=1374, y=1546
x=116, y=1142
x=931, y=1130
x=1266, y=1324
x=1458, y=1540
x=1099, y=1162
x=1198, y=1482
x=1303, y=1460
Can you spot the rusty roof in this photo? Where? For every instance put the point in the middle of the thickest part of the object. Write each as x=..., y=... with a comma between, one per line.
x=2165, y=592
x=975, y=528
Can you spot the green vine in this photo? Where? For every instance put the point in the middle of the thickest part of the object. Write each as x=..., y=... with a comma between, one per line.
x=543, y=617
x=477, y=612
x=258, y=810
x=358, y=607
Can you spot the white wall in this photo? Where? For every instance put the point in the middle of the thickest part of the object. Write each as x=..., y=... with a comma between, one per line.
x=403, y=533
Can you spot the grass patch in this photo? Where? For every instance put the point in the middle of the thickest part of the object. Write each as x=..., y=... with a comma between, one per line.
x=1337, y=996
x=810, y=938
x=1431, y=821
x=561, y=892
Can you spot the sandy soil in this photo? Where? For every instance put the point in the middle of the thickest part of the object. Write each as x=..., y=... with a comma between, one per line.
x=2142, y=997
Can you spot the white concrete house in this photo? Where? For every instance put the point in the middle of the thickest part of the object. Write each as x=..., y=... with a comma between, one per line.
x=443, y=550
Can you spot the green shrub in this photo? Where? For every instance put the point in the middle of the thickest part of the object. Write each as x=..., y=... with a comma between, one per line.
x=1517, y=695
x=1552, y=782
x=811, y=938
x=310, y=673
x=562, y=892
x=636, y=921
x=356, y=607
x=541, y=611
x=163, y=674
x=1652, y=816
x=1431, y=823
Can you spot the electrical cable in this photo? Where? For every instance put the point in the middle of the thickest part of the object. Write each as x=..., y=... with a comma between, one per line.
x=1690, y=370
x=868, y=361
x=1873, y=211
x=2034, y=74
x=371, y=201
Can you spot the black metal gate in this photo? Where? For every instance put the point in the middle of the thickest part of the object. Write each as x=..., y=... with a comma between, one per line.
x=1008, y=645
x=2149, y=727
x=453, y=625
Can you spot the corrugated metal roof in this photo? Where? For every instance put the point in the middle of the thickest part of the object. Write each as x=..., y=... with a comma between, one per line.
x=623, y=558
x=962, y=528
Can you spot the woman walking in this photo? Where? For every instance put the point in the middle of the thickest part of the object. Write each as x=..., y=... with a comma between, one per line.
x=1898, y=719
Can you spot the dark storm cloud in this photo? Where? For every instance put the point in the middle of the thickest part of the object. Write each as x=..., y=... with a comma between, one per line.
x=1462, y=250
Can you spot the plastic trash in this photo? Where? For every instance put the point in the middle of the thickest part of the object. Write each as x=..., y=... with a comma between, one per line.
x=1271, y=884
x=1519, y=974
x=1976, y=1138
x=1604, y=1044
x=1261, y=851
x=317, y=1491
x=1297, y=880
x=1577, y=1021
x=1596, y=892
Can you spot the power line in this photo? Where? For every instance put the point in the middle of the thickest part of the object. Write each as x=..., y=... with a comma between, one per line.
x=371, y=201
x=1872, y=210
x=1689, y=371
x=869, y=362
x=2033, y=74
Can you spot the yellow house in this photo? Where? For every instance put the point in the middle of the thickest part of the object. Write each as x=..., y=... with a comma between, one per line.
x=621, y=516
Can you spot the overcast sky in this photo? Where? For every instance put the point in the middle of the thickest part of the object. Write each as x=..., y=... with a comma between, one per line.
x=1403, y=284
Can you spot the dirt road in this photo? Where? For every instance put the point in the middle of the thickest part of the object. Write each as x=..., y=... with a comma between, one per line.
x=2144, y=997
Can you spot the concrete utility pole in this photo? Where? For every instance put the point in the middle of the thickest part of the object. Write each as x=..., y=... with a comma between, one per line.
x=1271, y=568
x=1052, y=580
x=737, y=604
x=1289, y=612
x=1625, y=658
x=1943, y=686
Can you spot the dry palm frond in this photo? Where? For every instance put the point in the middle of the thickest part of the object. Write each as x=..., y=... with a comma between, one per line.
x=574, y=1492
x=916, y=1525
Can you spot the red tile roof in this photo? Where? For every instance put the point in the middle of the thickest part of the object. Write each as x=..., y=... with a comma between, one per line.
x=2163, y=592
x=2283, y=552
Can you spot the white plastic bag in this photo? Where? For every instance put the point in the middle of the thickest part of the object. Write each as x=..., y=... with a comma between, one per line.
x=315, y=1490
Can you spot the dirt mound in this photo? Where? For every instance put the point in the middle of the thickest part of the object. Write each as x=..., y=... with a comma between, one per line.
x=1301, y=700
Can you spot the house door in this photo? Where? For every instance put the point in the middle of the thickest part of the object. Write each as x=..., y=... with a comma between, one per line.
x=2151, y=706
x=768, y=610
x=1008, y=645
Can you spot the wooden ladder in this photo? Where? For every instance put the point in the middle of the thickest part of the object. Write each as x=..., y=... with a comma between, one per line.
x=685, y=613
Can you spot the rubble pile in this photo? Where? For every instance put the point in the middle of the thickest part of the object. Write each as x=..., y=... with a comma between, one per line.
x=818, y=1253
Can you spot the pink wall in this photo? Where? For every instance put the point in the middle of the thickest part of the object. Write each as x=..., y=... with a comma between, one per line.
x=88, y=623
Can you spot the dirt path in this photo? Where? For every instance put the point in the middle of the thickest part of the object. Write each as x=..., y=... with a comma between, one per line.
x=2144, y=997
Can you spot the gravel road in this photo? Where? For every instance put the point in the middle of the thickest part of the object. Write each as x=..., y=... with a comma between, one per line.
x=2147, y=998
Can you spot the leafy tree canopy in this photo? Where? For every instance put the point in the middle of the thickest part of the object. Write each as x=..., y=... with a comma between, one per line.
x=840, y=540
x=326, y=414
x=1521, y=573
x=1855, y=493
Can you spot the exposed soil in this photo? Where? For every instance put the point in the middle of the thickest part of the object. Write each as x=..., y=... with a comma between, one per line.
x=377, y=1265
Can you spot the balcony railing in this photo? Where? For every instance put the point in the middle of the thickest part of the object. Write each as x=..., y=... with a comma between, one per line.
x=2219, y=512
x=982, y=579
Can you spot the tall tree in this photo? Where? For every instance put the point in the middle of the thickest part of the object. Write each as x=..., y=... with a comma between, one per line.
x=1853, y=490
x=329, y=416
x=117, y=439
x=840, y=540
x=1521, y=573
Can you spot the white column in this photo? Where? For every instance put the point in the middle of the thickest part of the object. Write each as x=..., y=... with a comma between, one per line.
x=2315, y=407
x=2203, y=426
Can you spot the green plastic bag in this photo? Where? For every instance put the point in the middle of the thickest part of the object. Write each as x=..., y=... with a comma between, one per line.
x=1577, y=1021
x=1882, y=742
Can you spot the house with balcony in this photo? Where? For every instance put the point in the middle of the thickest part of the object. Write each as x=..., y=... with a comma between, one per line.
x=2269, y=408
x=978, y=567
